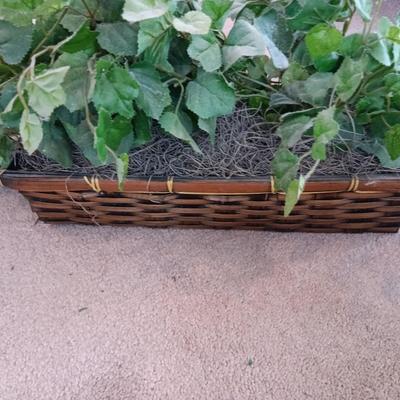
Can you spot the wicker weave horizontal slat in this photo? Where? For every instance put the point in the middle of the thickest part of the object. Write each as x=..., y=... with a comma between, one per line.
x=371, y=205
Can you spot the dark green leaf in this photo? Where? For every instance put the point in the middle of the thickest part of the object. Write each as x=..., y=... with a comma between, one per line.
x=292, y=130
x=118, y=38
x=285, y=167
x=84, y=40
x=15, y=42
x=348, y=78
x=392, y=142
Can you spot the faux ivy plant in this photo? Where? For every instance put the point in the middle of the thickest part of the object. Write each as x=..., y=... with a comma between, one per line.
x=95, y=74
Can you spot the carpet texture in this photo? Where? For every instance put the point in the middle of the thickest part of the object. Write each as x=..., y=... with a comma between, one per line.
x=125, y=313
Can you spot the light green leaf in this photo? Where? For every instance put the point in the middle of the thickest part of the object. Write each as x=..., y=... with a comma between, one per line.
x=210, y=126
x=111, y=133
x=380, y=50
x=118, y=38
x=243, y=41
x=323, y=40
x=153, y=95
x=364, y=8
x=77, y=83
x=209, y=96
x=122, y=165
x=394, y=34
x=292, y=130
x=31, y=131
x=217, y=10
x=392, y=142
x=193, y=22
x=295, y=72
x=325, y=130
x=295, y=189
x=206, y=50
x=180, y=126
x=140, y=10
x=115, y=89
x=151, y=32
x=45, y=91
x=15, y=42
x=285, y=167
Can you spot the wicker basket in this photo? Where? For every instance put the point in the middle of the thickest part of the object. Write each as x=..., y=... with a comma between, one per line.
x=328, y=205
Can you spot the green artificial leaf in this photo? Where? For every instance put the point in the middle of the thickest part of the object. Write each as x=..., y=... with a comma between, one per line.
x=207, y=51
x=142, y=127
x=394, y=34
x=217, y=10
x=76, y=83
x=303, y=15
x=111, y=133
x=115, y=89
x=322, y=41
x=379, y=50
x=180, y=126
x=294, y=192
x=7, y=149
x=118, y=38
x=15, y=42
x=139, y=10
x=84, y=40
x=193, y=22
x=364, y=8
x=31, y=131
x=285, y=167
x=45, y=91
x=153, y=95
x=292, y=130
x=267, y=25
x=380, y=151
x=151, y=32
x=83, y=138
x=392, y=142
x=348, y=78
x=325, y=130
x=122, y=165
x=209, y=125
x=312, y=91
x=55, y=145
x=243, y=41
x=352, y=46
x=209, y=96
x=179, y=58
x=295, y=72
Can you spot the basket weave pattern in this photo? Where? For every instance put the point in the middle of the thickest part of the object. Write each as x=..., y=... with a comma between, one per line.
x=327, y=207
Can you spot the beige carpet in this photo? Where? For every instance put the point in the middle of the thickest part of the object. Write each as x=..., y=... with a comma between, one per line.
x=124, y=313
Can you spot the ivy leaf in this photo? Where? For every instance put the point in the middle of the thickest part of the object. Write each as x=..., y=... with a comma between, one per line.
x=31, y=131
x=45, y=91
x=179, y=125
x=325, y=130
x=118, y=38
x=206, y=50
x=115, y=89
x=364, y=8
x=295, y=189
x=292, y=130
x=217, y=10
x=243, y=41
x=193, y=22
x=84, y=40
x=7, y=148
x=111, y=133
x=209, y=96
x=348, y=78
x=392, y=142
x=139, y=10
x=153, y=95
x=322, y=41
x=76, y=84
x=209, y=125
x=15, y=42
x=142, y=127
x=122, y=165
x=285, y=167
x=55, y=145
x=277, y=36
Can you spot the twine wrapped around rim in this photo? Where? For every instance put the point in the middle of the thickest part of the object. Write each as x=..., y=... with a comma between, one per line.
x=94, y=184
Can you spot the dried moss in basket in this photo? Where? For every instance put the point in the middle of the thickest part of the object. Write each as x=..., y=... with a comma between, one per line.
x=95, y=75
